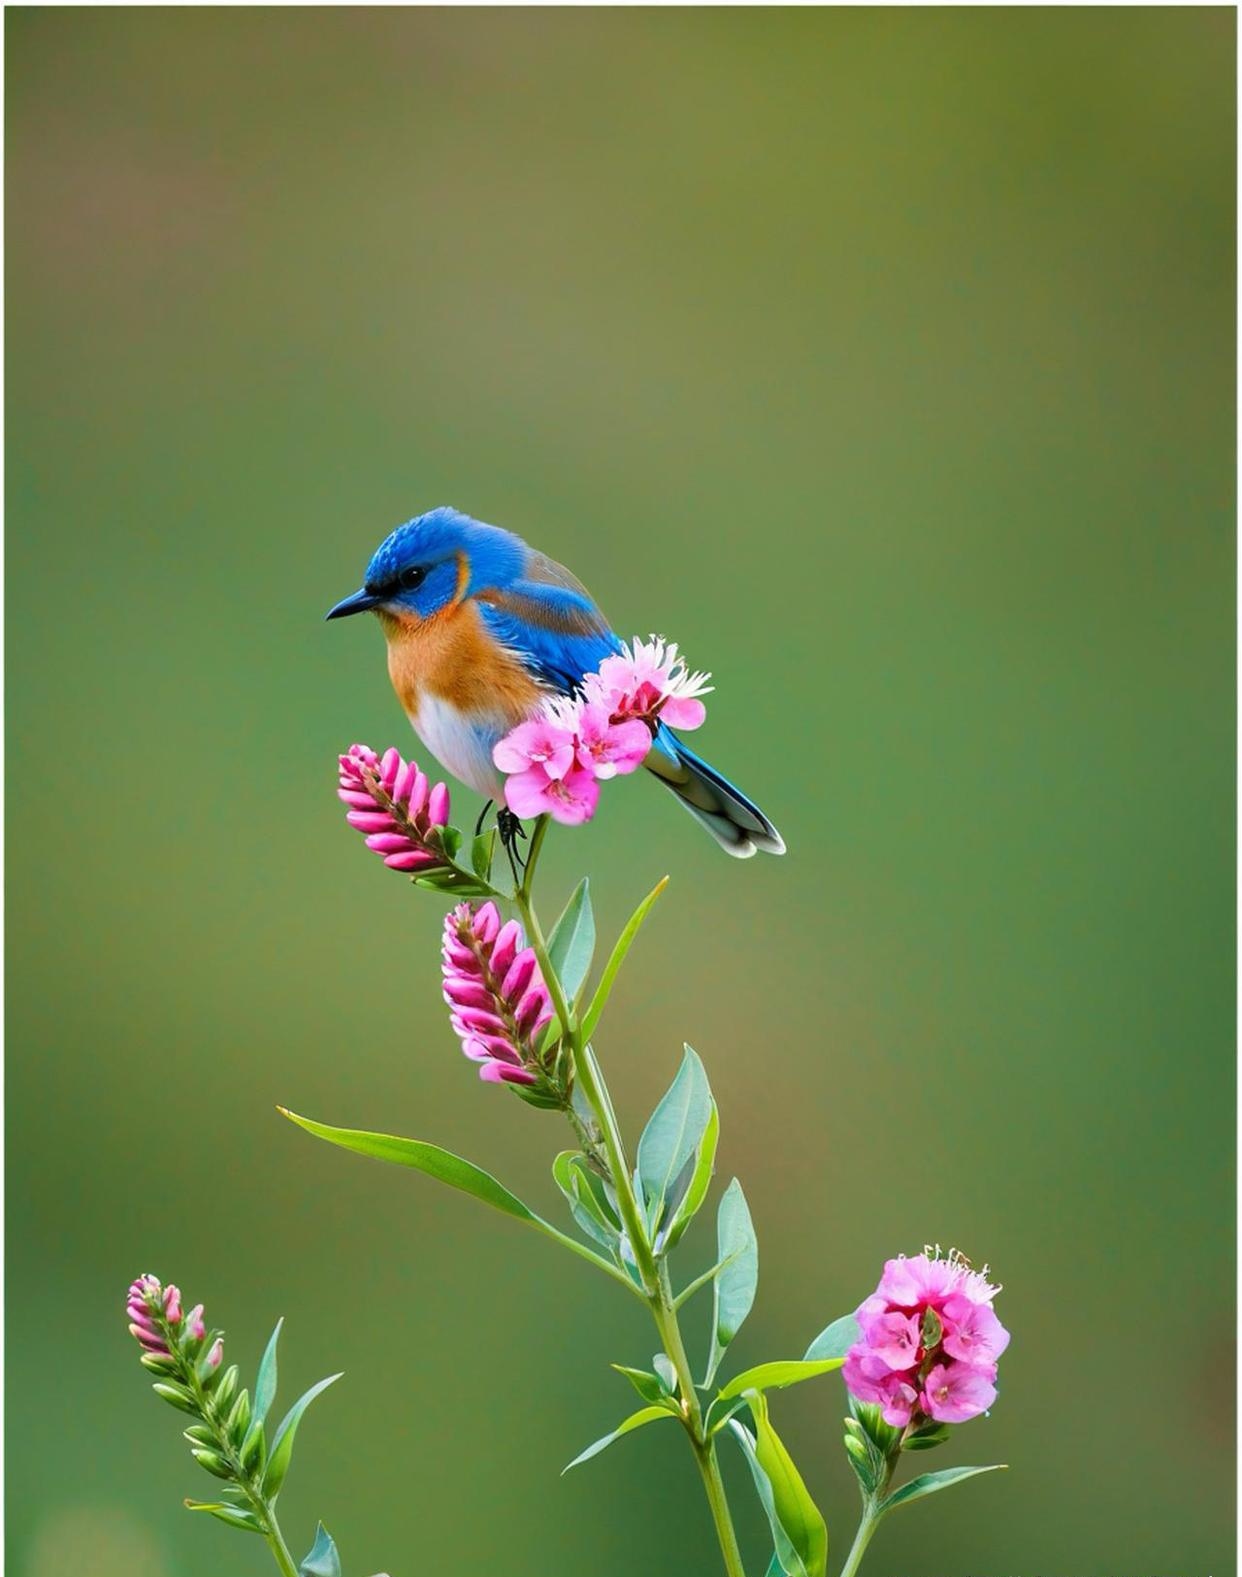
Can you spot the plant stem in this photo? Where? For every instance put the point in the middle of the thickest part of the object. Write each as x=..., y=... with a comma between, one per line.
x=655, y=1278
x=278, y=1547
x=867, y=1525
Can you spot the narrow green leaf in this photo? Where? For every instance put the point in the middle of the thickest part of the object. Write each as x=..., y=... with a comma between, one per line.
x=775, y=1376
x=282, y=1443
x=617, y=957
x=735, y=1285
x=235, y=1516
x=786, y=1559
x=647, y=1385
x=798, y=1513
x=700, y=1180
x=422, y=1157
x=645, y=1415
x=265, y=1385
x=321, y=1560
x=836, y=1339
x=482, y=852
x=673, y=1133
x=929, y=1483
x=571, y=943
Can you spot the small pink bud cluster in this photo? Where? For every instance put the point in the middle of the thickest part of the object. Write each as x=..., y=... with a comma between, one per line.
x=391, y=801
x=555, y=763
x=494, y=987
x=930, y=1342
x=157, y=1323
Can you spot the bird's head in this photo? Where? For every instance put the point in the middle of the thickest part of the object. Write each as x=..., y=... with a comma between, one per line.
x=434, y=562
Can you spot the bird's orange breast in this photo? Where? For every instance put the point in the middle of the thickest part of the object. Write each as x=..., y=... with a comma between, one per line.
x=453, y=658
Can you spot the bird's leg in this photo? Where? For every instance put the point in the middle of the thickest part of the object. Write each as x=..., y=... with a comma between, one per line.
x=478, y=826
x=511, y=829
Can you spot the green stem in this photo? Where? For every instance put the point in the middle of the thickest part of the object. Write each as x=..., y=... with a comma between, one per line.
x=867, y=1525
x=655, y=1278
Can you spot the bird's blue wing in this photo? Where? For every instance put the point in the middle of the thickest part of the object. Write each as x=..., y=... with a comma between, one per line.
x=548, y=620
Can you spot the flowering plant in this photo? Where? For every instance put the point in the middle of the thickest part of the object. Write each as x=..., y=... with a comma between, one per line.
x=919, y=1356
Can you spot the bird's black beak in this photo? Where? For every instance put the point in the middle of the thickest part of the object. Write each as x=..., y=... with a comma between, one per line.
x=360, y=602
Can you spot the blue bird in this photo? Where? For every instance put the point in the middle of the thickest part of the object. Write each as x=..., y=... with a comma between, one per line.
x=482, y=629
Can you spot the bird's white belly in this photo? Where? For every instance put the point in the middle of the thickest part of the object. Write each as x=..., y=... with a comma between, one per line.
x=462, y=743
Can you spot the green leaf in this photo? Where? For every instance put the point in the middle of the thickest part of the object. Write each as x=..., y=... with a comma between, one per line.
x=700, y=1181
x=457, y=1173
x=321, y=1560
x=736, y=1283
x=786, y=1558
x=929, y=1483
x=720, y=1412
x=588, y=1203
x=282, y=1443
x=482, y=852
x=663, y=1366
x=775, y=1376
x=617, y=957
x=647, y=1385
x=265, y=1385
x=571, y=944
x=797, y=1512
x=235, y=1516
x=836, y=1339
x=645, y=1415
x=673, y=1133
x=422, y=1157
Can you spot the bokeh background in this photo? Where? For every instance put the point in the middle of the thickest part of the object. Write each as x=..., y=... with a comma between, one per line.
x=886, y=360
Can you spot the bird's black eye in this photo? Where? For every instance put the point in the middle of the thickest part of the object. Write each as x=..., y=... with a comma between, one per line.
x=411, y=578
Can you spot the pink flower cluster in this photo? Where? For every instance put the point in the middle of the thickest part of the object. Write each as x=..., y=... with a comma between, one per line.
x=555, y=763
x=930, y=1342
x=157, y=1323
x=391, y=801
x=494, y=987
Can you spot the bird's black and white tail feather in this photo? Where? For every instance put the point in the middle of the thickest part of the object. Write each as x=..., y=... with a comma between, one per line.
x=738, y=825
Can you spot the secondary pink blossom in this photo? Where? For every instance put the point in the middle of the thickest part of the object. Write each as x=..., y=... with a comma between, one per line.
x=606, y=748
x=650, y=680
x=570, y=799
x=929, y=1342
x=394, y=805
x=493, y=985
x=542, y=742
x=954, y=1392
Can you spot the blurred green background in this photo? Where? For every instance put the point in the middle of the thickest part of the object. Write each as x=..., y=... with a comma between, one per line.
x=883, y=358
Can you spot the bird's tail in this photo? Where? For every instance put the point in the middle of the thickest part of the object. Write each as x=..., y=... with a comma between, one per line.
x=738, y=826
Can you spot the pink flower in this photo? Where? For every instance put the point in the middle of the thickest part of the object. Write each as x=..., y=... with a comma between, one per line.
x=194, y=1323
x=154, y=1317
x=955, y=1392
x=543, y=742
x=571, y=799
x=929, y=1342
x=394, y=805
x=609, y=749
x=870, y=1379
x=928, y=1281
x=493, y=986
x=649, y=680
x=216, y=1355
x=972, y=1333
x=554, y=763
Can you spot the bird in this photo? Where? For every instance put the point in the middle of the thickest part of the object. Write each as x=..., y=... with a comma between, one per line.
x=482, y=629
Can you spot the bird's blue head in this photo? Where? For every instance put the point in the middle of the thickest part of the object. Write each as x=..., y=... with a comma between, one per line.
x=433, y=562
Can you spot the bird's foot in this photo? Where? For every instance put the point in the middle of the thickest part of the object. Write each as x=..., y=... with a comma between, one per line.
x=478, y=826
x=511, y=830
